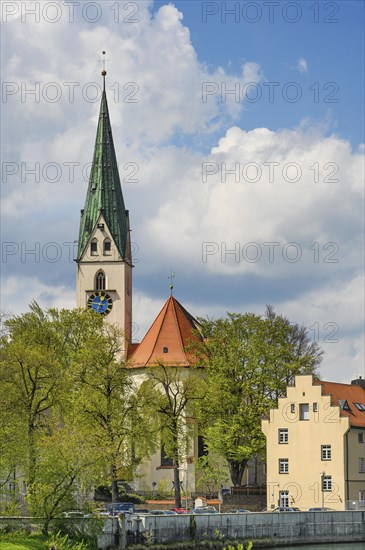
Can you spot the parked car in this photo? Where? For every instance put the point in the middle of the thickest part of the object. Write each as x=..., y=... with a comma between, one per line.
x=162, y=513
x=180, y=510
x=142, y=511
x=321, y=510
x=285, y=509
x=205, y=510
x=116, y=508
x=239, y=511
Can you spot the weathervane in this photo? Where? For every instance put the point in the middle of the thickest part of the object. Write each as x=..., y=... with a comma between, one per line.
x=171, y=276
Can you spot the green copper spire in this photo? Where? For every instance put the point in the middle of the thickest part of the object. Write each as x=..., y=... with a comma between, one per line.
x=104, y=194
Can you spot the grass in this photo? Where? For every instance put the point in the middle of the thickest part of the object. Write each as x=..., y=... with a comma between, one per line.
x=22, y=542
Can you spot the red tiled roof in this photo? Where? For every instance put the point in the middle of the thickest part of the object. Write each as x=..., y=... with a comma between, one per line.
x=347, y=392
x=172, y=330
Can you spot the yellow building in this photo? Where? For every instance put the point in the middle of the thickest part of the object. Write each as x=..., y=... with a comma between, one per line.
x=316, y=446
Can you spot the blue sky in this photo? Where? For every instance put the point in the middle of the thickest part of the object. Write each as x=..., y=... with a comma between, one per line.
x=249, y=201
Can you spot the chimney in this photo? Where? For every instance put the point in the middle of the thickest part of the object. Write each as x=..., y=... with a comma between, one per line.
x=359, y=382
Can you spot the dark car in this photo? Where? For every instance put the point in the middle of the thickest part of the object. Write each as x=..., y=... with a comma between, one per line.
x=116, y=508
x=321, y=510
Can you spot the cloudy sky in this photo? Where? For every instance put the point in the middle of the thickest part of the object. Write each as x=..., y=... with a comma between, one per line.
x=239, y=133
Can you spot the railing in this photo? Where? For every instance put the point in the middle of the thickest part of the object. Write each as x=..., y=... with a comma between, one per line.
x=355, y=504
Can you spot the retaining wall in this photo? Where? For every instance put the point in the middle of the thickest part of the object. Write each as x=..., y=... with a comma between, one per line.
x=284, y=528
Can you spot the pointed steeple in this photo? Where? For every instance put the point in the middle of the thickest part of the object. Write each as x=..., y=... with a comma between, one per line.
x=104, y=195
x=172, y=330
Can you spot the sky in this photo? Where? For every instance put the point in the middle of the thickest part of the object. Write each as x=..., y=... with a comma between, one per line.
x=239, y=132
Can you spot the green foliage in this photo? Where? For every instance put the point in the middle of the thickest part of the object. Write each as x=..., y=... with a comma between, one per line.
x=64, y=542
x=210, y=473
x=69, y=409
x=169, y=393
x=19, y=540
x=248, y=361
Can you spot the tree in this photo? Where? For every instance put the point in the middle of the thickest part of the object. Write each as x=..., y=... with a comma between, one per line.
x=248, y=361
x=107, y=406
x=169, y=392
x=30, y=383
x=60, y=374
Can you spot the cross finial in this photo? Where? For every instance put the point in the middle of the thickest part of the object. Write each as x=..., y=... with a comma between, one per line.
x=171, y=276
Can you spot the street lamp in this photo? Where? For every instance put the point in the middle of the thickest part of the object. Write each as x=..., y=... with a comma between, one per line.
x=322, y=487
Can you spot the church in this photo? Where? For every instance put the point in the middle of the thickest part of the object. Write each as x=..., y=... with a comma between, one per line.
x=104, y=283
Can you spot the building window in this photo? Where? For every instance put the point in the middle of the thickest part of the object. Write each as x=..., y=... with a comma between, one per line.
x=100, y=280
x=360, y=406
x=284, y=499
x=107, y=247
x=326, y=452
x=361, y=495
x=283, y=435
x=165, y=350
x=283, y=465
x=202, y=450
x=166, y=461
x=361, y=465
x=360, y=437
x=326, y=483
x=315, y=407
x=304, y=411
x=94, y=247
x=292, y=408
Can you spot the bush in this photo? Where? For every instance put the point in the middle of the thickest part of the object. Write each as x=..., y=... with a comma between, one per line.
x=64, y=542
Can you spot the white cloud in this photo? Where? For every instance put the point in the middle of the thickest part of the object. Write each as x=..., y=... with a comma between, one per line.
x=173, y=211
x=302, y=65
x=17, y=292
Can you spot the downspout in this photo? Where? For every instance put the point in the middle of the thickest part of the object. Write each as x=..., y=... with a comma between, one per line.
x=347, y=494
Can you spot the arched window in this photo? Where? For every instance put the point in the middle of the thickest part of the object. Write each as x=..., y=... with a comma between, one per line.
x=107, y=247
x=100, y=280
x=94, y=247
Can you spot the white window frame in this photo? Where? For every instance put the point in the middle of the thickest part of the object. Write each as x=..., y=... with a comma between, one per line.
x=283, y=436
x=284, y=499
x=326, y=452
x=304, y=411
x=283, y=465
x=326, y=483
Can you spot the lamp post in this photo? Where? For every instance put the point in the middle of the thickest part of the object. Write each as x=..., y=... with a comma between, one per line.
x=322, y=487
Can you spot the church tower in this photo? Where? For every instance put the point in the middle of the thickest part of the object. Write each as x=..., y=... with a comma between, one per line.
x=104, y=260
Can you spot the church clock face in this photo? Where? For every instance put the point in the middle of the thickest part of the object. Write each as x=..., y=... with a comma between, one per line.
x=100, y=302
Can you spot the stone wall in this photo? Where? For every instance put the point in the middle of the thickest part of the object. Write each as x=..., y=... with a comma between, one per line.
x=283, y=528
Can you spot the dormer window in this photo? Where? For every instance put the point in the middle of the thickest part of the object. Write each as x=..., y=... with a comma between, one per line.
x=107, y=247
x=344, y=405
x=100, y=280
x=94, y=247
